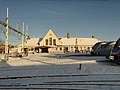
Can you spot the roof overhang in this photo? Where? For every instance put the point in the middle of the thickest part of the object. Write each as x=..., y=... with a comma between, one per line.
x=42, y=47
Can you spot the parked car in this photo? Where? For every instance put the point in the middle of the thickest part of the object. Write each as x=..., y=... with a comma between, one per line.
x=115, y=53
x=106, y=49
x=100, y=49
x=96, y=47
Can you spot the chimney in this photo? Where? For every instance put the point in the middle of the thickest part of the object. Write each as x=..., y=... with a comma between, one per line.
x=93, y=36
x=68, y=35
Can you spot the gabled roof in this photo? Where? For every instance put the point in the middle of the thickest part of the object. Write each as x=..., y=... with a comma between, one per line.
x=79, y=41
x=50, y=31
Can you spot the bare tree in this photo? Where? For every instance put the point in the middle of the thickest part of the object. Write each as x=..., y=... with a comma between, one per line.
x=2, y=46
x=2, y=42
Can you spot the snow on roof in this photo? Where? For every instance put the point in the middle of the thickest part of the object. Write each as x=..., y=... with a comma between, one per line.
x=79, y=41
x=32, y=42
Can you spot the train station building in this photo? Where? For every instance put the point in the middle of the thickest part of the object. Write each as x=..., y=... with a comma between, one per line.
x=50, y=43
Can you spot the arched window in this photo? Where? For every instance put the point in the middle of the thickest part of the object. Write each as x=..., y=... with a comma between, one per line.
x=54, y=41
x=50, y=41
x=46, y=41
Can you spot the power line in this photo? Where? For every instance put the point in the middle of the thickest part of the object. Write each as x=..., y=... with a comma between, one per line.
x=69, y=17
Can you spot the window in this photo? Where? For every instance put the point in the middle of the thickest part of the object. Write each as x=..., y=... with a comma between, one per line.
x=50, y=41
x=88, y=48
x=54, y=41
x=46, y=41
x=60, y=49
x=72, y=48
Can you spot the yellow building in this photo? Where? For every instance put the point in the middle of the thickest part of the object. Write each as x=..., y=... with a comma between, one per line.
x=78, y=44
x=30, y=46
x=52, y=44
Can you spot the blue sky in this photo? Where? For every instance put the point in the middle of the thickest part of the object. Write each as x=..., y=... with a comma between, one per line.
x=81, y=18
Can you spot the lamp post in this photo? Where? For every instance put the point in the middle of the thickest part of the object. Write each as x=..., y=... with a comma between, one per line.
x=76, y=48
x=6, y=39
x=23, y=40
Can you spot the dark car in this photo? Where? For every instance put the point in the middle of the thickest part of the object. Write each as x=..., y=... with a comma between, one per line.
x=105, y=50
x=96, y=47
x=115, y=53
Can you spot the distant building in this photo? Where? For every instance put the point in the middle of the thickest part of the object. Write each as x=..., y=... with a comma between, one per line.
x=30, y=45
x=78, y=44
x=50, y=43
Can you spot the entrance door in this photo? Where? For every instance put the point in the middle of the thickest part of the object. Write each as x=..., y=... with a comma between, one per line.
x=44, y=50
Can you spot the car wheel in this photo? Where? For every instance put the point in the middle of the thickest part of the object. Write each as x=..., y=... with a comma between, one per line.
x=92, y=53
x=98, y=54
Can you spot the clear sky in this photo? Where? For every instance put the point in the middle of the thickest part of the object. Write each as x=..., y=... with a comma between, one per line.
x=81, y=18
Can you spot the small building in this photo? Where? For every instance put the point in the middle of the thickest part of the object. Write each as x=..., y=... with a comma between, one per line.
x=30, y=46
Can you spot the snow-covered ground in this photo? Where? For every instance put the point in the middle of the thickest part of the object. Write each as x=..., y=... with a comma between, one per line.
x=59, y=71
